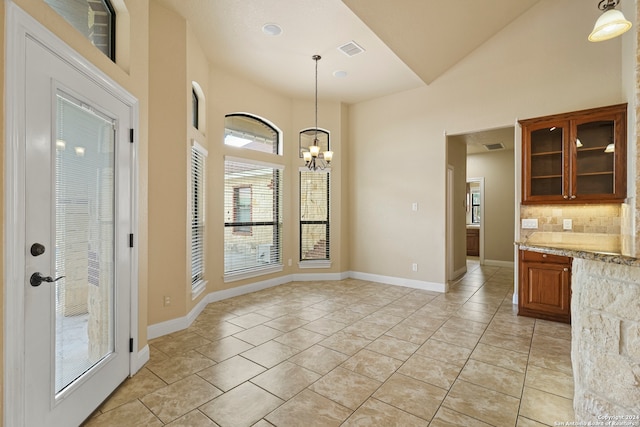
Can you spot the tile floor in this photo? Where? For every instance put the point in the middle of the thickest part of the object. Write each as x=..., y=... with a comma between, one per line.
x=355, y=353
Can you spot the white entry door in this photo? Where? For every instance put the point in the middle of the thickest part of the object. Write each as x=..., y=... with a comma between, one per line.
x=78, y=163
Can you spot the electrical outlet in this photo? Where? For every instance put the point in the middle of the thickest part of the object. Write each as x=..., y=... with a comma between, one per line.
x=414, y=266
x=414, y=206
x=567, y=224
x=167, y=300
x=531, y=223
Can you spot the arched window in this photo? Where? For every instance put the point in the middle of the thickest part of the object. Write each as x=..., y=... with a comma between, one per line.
x=314, y=206
x=251, y=133
x=252, y=200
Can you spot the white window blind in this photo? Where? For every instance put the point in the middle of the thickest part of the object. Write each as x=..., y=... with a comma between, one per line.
x=198, y=156
x=252, y=215
x=314, y=216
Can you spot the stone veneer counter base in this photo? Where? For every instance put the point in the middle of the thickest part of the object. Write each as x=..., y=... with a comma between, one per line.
x=605, y=334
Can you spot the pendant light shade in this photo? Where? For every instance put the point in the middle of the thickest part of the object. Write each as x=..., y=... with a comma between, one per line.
x=610, y=24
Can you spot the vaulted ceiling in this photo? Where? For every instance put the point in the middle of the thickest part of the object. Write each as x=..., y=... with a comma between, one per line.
x=407, y=43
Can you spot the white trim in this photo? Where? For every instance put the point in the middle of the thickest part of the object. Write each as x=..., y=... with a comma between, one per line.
x=140, y=358
x=199, y=148
x=199, y=287
x=253, y=162
x=310, y=277
x=399, y=281
x=499, y=263
x=459, y=272
x=19, y=27
x=180, y=323
x=255, y=272
x=315, y=263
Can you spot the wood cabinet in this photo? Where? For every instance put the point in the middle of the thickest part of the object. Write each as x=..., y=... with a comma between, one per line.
x=545, y=286
x=473, y=242
x=577, y=157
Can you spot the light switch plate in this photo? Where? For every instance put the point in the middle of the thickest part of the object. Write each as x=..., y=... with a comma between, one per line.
x=531, y=223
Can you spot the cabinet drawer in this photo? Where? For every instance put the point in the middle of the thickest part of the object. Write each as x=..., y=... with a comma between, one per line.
x=540, y=257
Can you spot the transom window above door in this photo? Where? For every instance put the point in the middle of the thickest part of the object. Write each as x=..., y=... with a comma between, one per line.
x=95, y=19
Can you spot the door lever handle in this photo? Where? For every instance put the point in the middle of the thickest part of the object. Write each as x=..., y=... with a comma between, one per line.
x=37, y=278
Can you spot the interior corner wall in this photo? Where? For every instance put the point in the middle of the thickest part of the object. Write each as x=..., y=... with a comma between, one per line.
x=497, y=168
x=539, y=64
x=167, y=165
x=343, y=206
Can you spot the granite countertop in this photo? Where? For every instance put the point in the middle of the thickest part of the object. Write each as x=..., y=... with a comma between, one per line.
x=591, y=246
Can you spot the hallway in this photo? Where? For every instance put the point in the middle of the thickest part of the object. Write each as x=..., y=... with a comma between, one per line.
x=354, y=352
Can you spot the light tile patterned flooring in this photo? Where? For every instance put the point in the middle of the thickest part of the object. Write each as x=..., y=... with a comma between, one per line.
x=356, y=353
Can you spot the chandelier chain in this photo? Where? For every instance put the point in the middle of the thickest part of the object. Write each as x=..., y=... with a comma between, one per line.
x=607, y=4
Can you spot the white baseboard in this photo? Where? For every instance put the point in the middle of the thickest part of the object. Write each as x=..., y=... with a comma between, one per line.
x=139, y=359
x=498, y=263
x=459, y=272
x=180, y=323
x=399, y=281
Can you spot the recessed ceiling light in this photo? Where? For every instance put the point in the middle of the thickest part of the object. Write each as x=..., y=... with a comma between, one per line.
x=272, y=29
x=340, y=74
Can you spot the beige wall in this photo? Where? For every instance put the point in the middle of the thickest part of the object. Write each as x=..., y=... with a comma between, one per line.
x=537, y=65
x=498, y=170
x=457, y=158
x=167, y=164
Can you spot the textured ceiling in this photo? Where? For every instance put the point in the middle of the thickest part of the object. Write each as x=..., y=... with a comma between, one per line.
x=403, y=40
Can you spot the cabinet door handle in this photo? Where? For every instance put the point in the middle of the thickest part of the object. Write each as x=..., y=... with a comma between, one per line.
x=565, y=196
x=573, y=197
x=565, y=269
x=544, y=255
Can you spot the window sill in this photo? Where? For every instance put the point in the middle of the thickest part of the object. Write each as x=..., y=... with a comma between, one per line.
x=198, y=288
x=232, y=277
x=320, y=263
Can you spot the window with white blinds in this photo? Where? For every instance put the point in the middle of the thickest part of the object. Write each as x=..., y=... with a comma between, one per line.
x=252, y=216
x=314, y=216
x=198, y=157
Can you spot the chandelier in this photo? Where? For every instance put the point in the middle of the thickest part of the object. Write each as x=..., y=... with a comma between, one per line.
x=314, y=159
x=610, y=24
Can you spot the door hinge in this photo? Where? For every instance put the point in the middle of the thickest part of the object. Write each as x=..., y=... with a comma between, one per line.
x=131, y=240
x=131, y=136
x=130, y=345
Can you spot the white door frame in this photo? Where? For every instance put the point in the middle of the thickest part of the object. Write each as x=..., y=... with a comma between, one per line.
x=20, y=26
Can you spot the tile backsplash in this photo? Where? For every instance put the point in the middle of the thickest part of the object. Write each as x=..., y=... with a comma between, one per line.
x=585, y=218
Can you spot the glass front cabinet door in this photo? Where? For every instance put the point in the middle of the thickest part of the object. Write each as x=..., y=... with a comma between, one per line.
x=577, y=157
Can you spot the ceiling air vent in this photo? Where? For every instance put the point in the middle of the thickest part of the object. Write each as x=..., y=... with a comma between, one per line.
x=351, y=49
x=492, y=147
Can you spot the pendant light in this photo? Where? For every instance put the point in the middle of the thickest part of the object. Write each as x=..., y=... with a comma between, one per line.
x=313, y=159
x=610, y=24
